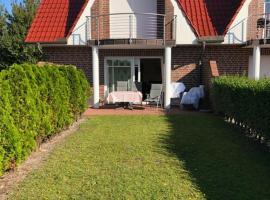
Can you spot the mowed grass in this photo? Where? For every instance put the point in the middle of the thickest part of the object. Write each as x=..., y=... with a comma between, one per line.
x=152, y=157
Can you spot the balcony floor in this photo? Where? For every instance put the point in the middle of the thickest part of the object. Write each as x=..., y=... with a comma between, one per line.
x=264, y=43
x=134, y=42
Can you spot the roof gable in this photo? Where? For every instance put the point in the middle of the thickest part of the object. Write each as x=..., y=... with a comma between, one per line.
x=54, y=20
x=210, y=17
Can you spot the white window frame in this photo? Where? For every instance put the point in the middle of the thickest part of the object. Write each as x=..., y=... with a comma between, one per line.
x=133, y=60
x=106, y=71
x=265, y=3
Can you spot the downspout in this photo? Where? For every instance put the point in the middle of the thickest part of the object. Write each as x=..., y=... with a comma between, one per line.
x=201, y=61
x=210, y=40
x=39, y=48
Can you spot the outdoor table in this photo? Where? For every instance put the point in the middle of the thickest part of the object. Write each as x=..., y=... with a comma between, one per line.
x=125, y=97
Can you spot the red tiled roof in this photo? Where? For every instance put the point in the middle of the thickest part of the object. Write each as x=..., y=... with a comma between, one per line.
x=55, y=20
x=210, y=17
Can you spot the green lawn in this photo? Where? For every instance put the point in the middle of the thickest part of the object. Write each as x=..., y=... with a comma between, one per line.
x=153, y=157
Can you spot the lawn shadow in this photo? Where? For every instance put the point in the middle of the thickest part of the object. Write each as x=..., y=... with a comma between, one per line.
x=222, y=162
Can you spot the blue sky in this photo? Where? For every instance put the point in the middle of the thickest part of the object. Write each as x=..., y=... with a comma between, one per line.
x=7, y=3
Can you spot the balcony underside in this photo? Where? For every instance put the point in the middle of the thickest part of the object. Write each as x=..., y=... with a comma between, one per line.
x=265, y=43
x=133, y=42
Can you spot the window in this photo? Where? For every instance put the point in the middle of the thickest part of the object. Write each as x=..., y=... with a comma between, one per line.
x=267, y=7
x=119, y=70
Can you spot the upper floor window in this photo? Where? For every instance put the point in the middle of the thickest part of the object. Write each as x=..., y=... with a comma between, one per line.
x=267, y=6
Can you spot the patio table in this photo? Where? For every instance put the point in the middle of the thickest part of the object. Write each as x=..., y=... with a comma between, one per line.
x=125, y=97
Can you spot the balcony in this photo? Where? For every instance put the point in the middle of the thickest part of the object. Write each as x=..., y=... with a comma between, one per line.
x=131, y=29
x=255, y=28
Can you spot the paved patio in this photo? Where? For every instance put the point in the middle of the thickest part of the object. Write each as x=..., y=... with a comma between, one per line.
x=137, y=110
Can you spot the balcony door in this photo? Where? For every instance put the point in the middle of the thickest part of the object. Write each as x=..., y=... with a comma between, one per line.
x=128, y=19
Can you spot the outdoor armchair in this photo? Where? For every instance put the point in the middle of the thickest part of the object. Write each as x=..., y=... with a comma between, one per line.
x=155, y=94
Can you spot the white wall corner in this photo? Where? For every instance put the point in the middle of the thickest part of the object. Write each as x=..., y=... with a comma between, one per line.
x=237, y=32
x=184, y=32
x=79, y=34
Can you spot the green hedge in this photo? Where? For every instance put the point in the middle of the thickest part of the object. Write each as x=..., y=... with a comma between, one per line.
x=245, y=101
x=35, y=103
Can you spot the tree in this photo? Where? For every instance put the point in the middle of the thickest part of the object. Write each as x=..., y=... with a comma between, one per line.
x=12, y=46
x=3, y=17
x=3, y=34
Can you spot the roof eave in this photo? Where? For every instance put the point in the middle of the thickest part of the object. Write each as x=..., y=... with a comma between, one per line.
x=211, y=39
x=58, y=41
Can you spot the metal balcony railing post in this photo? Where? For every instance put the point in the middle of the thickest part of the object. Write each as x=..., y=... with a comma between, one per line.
x=175, y=27
x=130, y=28
x=243, y=29
x=164, y=30
x=86, y=29
x=88, y=34
x=264, y=32
x=97, y=19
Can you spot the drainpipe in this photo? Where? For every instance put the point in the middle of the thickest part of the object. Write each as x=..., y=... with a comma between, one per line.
x=39, y=48
x=201, y=61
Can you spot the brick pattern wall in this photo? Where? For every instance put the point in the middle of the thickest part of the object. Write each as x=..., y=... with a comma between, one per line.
x=160, y=10
x=230, y=59
x=213, y=68
x=78, y=56
x=185, y=62
x=256, y=9
x=169, y=11
x=101, y=25
x=165, y=7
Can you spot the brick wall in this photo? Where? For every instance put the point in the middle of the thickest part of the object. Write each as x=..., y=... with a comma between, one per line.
x=169, y=11
x=256, y=9
x=160, y=10
x=165, y=7
x=185, y=60
x=101, y=25
x=78, y=56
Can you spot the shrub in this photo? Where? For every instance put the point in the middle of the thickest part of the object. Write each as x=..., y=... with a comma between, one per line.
x=246, y=101
x=35, y=103
x=10, y=144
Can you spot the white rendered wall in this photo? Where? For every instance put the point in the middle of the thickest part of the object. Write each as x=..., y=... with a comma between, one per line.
x=237, y=33
x=184, y=32
x=144, y=26
x=78, y=35
x=265, y=67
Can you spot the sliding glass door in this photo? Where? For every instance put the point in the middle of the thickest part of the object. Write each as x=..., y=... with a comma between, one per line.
x=119, y=70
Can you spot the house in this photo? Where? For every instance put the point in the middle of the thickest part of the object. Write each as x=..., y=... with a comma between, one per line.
x=155, y=41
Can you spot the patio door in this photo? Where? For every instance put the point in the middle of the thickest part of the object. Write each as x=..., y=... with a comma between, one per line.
x=119, y=70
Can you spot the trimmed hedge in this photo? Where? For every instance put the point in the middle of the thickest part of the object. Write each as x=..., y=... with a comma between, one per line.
x=245, y=101
x=35, y=103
